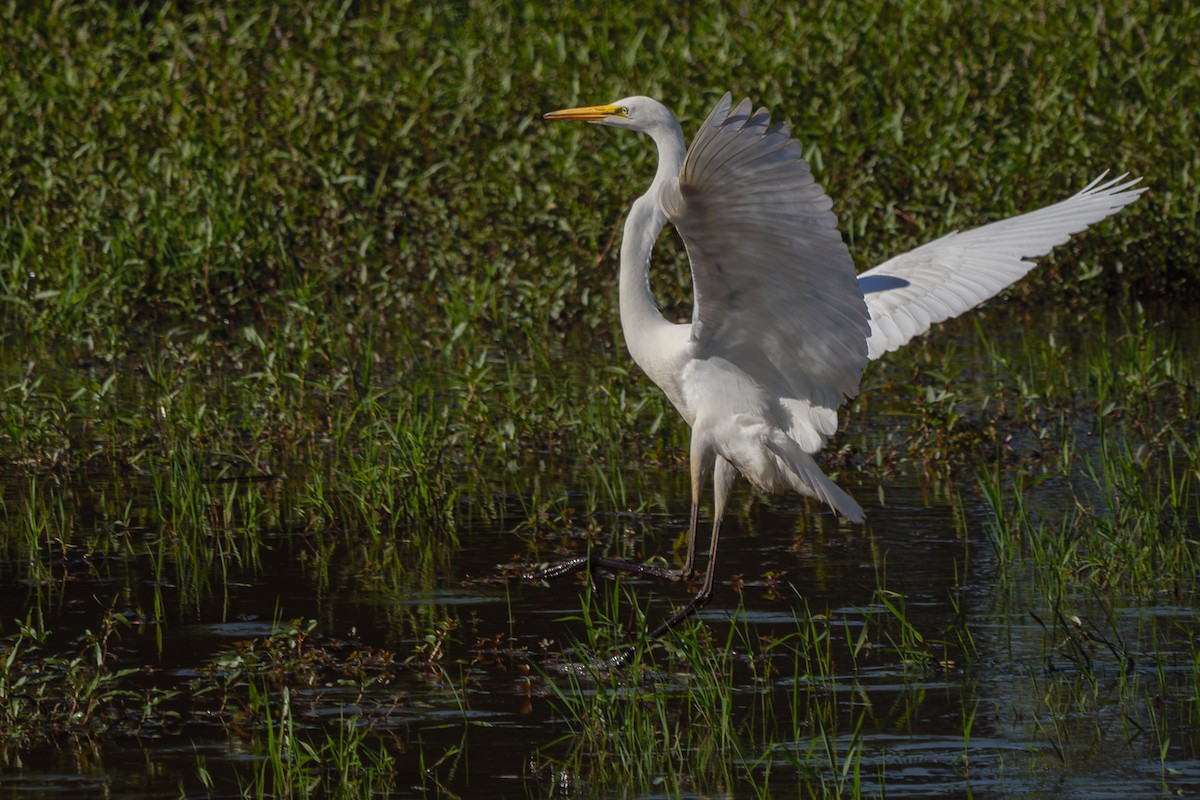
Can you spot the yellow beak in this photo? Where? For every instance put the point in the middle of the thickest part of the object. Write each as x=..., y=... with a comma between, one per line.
x=586, y=113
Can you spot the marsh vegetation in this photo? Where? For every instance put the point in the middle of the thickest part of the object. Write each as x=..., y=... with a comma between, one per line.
x=308, y=348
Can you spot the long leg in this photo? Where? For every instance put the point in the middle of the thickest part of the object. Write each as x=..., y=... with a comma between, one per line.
x=723, y=478
x=724, y=475
x=700, y=457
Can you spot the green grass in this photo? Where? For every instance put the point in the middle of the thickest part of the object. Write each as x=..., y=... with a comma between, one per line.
x=313, y=285
x=200, y=166
x=729, y=707
x=1110, y=495
x=255, y=230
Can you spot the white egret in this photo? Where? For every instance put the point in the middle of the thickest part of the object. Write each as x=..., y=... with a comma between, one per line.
x=782, y=327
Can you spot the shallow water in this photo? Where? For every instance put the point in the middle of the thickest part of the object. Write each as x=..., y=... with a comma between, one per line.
x=1022, y=715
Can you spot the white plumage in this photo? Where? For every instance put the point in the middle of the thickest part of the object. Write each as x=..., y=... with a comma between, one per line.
x=782, y=327
x=942, y=279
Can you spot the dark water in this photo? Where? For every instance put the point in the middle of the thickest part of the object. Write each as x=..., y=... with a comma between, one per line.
x=480, y=719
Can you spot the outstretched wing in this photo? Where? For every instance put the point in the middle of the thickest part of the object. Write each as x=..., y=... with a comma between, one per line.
x=942, y=279
x=775, y=287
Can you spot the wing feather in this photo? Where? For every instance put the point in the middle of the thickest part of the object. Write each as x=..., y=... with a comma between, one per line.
x=774, y=283
x=908, y=294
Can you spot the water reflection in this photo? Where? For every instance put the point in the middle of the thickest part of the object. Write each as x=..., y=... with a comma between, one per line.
x=950, y=673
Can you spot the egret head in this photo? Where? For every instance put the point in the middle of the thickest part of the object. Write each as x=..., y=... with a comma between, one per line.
x=632, y=113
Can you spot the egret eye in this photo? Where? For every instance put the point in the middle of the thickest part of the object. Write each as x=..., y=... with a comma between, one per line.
x=624, y=111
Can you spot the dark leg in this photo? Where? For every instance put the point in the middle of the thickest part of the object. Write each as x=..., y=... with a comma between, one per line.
x=723, y=477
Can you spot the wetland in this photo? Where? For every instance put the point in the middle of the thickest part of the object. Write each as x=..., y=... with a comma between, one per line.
x=309, y=353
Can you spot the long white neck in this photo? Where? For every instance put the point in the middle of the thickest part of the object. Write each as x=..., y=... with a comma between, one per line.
x=641, y=320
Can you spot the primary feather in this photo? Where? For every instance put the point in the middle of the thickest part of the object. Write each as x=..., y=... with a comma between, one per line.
x=942, y=279
x=775, y=292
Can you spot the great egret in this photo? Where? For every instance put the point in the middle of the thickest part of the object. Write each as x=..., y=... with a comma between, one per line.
x=781, y=325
